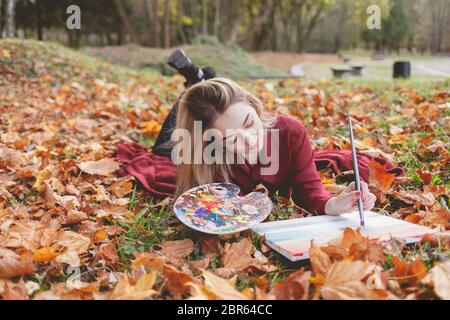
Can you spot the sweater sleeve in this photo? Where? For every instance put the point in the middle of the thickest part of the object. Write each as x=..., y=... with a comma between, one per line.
x=308, y=191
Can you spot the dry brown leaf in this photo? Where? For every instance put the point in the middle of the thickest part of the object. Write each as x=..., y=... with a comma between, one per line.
x=41, y=177
x=352, y=236
x=178, y=283
x=203, y=263
x=122, y=187
x=437, y=218
x=362, y=248
x=293, y=287
x=103, y=167
x=238, y=254
x=320, y=261
x=14, y=291
x=439, y=279
x=11, y=158
x=75, y=216
x=108, y=253
x=379, y=176
x=147, y=261
x=177, y=251
x=238, y=257
x=335, y=251
x=216, y=288
x=416, y=198
x=75, y=244
x=12, y=265
x=405, y=272
x=61, y=291
x=211, y=244
x=344, y=281
x=44, y=254
x=143, y=288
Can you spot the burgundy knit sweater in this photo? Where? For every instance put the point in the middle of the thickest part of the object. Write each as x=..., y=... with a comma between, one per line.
x=297, y=174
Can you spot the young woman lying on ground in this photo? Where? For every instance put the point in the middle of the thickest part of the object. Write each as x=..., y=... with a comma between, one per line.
x=263, y=148
x=239, y=117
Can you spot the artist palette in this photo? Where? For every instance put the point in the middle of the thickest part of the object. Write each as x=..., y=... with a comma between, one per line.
x=217, y=208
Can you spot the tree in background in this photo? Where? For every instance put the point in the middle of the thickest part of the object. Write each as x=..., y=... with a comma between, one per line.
x=166, y=24
x=397, y=26
x=276, y=25
x=126, y=20
x=440, y=20
x=10, y=26
x=152, y=10
x=1, y=18
x=372, y=37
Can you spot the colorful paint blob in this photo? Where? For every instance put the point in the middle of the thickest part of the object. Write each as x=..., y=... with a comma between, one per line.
x=217, y=208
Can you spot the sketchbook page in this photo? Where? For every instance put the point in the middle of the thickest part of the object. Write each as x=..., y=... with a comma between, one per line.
x=293, y=237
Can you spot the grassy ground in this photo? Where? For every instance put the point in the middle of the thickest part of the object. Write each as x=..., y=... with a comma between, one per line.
x=61, y=109
x=227, y=60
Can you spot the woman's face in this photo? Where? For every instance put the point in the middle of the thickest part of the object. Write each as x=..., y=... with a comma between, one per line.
x=242, y=130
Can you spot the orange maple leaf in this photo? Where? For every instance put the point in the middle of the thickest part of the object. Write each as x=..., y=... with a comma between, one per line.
x=379, y=176
x=408, y=272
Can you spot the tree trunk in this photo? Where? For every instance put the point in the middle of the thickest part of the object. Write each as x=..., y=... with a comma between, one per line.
x=258, y=23
x=312, y=24
x=1, y=20
x=152, y=14
x=120, y=36
x=126, y=21
x=234, y=17
x=434, y=30
x=217, y=19
x=10, y=27
x=39, y=28
x=205, y=16
x=166, y=26
x=74, y=38
x=180, y=13
x=442, y=24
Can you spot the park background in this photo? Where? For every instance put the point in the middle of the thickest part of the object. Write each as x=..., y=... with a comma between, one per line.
x=279, y=34
x=71, y=228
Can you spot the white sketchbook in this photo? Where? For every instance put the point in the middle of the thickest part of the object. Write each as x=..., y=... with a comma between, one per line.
x=292, y=238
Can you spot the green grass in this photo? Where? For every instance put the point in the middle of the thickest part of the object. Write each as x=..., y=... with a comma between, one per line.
x=227, y=60
x=61, y=62
x=143, y=231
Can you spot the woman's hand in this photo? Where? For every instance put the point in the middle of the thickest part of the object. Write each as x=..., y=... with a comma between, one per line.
x=347, y=201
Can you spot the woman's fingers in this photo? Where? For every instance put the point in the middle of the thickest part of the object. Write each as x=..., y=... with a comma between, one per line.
x=350, y=187
x=370, y=201
x=364, y=187
x=349, y=201
x=353, y=195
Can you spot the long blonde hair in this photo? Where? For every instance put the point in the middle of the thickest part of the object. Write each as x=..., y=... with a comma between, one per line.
x=204, y=102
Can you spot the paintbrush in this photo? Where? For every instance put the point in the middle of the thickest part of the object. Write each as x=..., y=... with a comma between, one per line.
x=356, y=171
